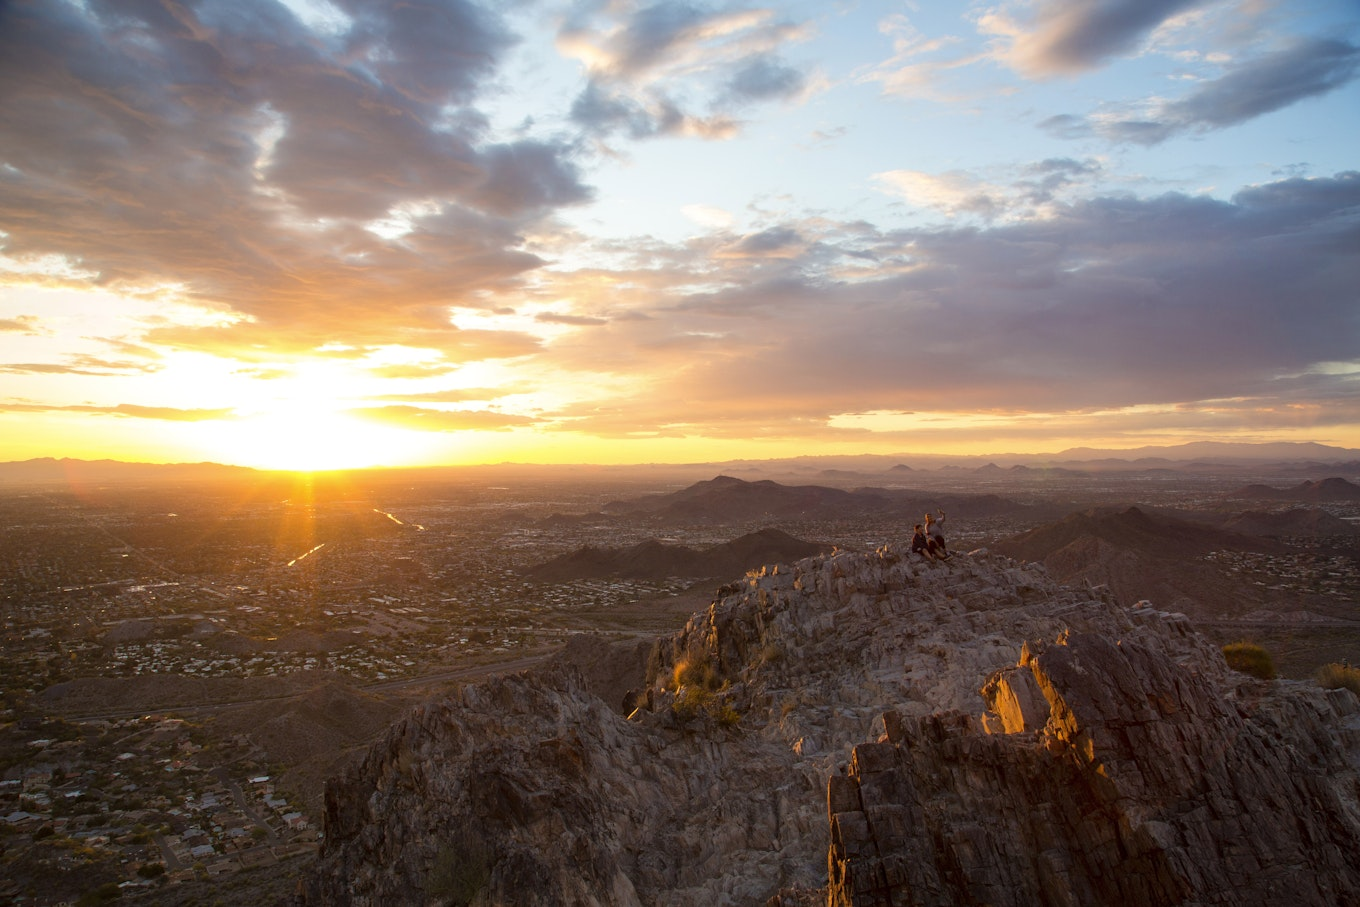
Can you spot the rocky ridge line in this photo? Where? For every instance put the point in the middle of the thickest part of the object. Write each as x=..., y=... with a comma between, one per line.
x=531, y=790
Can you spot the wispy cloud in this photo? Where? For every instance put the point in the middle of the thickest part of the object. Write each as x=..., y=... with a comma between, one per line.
x=1064, y=37
x=643, y=59
x=23, y=324
x=424, y=419
x=132, y=410
x=80, y=365
x=1248, y=89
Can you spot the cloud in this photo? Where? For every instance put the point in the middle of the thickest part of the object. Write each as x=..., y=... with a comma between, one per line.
x=231, y=151
x=662, y=40
x=605, y=110
x=643, y=60
x=162, y=413
x=765, y=78
x=1065, y=37
x=954, y=193
x=1302, y=69
x=442, y=420
x=21, y=324
x=959, y=193
x=775, y=242
x=708, y=216
x=1044, y=181
x=911, y=72
x=571, y=320
x=527, y=176
x=411, y=370
x=79, y=365
x=1105, y=305
x=458, y=395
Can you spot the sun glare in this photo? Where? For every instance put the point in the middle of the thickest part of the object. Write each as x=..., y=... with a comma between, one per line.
x=304, y=442
x=311, y=438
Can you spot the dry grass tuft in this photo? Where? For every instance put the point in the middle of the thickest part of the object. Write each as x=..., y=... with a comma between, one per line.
x=1249, y=658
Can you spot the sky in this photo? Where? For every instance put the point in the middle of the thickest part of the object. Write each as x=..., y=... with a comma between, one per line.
x=319, y=234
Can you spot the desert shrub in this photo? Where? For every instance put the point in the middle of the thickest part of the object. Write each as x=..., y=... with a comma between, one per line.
x=1335, y=676
x=696, y=671
x=1249, y=658
x=695, y=701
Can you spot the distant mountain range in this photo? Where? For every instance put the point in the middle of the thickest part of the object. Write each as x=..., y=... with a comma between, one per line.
x=654, y=560
x=49, y=471
x=1305, y=459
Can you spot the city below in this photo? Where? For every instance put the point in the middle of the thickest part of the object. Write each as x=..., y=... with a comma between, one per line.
x=187, y=660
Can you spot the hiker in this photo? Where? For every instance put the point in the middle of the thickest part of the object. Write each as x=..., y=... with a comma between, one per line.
x=935, y=536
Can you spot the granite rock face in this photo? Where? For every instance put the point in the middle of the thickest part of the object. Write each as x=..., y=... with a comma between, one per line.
x=979, y=733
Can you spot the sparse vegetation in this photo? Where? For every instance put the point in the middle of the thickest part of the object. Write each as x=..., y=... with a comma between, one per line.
x=692, y=701
x=1335, y=676
x=1249, y=658
x=696, y=671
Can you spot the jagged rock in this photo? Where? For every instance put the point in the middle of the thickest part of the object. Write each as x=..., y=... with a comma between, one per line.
x=532, y=790
x=1146, y=786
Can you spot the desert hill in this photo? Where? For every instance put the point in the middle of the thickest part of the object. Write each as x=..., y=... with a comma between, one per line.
x=818, y=736
x=1333, y=489
x=1308, y=521
x=1137, y=554
x=1132, y=528
x=654, y=560
x=726, y=500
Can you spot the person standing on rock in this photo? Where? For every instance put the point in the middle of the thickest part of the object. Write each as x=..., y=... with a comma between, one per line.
x=935, y=536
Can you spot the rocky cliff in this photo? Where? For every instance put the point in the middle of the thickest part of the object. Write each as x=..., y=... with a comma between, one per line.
x=867, y=728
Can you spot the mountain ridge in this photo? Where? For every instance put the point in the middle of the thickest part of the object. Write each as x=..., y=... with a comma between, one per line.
x=817, y=736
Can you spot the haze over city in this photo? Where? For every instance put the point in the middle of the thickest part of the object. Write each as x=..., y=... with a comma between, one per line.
x=318, y=235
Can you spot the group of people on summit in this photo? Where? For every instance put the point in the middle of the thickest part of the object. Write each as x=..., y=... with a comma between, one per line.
x=929, y=542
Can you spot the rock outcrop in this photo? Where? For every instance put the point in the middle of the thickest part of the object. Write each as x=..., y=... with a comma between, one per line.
x=979, y=733
x=1141, y=785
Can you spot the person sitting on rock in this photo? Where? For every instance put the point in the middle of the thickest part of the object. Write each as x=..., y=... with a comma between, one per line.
x=935, y=536
x=919, y=543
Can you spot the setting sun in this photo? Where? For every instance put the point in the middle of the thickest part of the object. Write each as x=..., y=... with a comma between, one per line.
x=307, y=439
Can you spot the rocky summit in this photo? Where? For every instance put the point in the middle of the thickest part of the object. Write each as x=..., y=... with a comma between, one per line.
x=867, y=729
